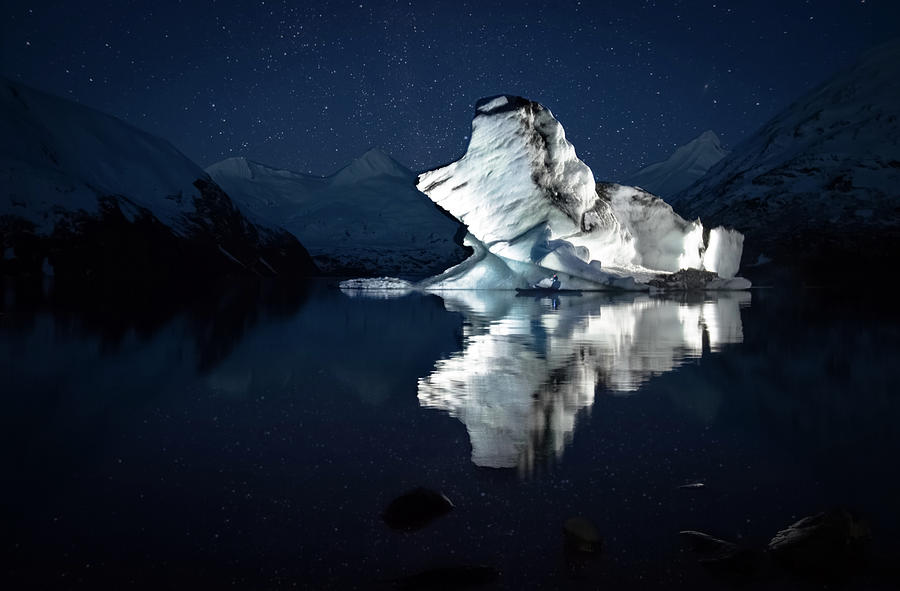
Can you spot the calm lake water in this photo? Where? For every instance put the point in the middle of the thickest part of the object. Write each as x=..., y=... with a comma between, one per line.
x=253, y=438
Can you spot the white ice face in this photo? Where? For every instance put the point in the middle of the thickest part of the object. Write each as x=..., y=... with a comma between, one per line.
x=723, y=253
x=519, y=170
x=532, y=208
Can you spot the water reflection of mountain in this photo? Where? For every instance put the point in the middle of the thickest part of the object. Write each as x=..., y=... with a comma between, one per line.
x=528, y=365
x=214, y=316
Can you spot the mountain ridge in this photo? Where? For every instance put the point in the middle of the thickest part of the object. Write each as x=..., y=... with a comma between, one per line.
x=817, y=185
x=366, y=219
x=88, y=195
x=688, y=163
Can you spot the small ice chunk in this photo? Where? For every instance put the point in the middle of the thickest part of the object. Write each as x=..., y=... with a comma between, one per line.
x=376, y=287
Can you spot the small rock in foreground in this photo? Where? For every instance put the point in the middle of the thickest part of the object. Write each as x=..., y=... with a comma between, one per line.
x=582, y=535
x=823, y=543
x=725, y=557
x=450, y=577
x=416, y=509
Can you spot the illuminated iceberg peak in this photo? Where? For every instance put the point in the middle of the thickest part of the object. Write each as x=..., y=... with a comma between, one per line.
x=518, y=168
x=531, y=205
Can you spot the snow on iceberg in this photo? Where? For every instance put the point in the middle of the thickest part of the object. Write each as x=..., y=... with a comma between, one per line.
x=533, y=208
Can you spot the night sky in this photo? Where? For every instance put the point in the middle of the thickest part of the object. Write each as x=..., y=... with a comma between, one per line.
x=310, y=85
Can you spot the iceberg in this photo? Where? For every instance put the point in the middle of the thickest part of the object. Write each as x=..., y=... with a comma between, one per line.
x=532, y=208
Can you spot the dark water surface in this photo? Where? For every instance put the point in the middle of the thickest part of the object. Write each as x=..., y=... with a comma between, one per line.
x=252, y=437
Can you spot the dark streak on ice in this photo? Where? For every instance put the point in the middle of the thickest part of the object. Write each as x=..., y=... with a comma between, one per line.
x=435, y=184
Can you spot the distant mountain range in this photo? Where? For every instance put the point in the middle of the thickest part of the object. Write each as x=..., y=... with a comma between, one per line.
x=87, y=196
x=366, y=219
x=680, y=170
x=817, y=189
x=815, y=192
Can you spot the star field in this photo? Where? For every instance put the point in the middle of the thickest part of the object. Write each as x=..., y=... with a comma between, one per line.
x=310, y=85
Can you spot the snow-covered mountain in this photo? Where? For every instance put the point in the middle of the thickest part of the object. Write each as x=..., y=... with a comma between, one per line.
x=532, y=207
x=819, y=184
x=87, y=195
x=682, y=169
x=368, y=218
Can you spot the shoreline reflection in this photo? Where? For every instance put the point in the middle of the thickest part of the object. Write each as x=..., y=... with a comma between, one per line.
x=529, y=365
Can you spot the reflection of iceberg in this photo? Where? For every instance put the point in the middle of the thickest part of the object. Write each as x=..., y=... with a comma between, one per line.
x=529, y=365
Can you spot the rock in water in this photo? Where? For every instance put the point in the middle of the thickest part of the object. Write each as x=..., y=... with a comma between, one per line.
x=581, y=535
x=706, y=544
x=723, y=557
x=416, y=509
x=450, y=577
x=821, y=544
x=684, y=280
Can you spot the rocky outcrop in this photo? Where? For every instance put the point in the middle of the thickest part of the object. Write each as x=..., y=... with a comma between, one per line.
x=692, y=280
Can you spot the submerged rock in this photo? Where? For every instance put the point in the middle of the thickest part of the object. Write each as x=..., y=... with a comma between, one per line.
x=827, y=545
x=706, y=544
x=416, y=509
x=823, y=543
x=450, y=577
x=723, y=557
x=581, y=535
